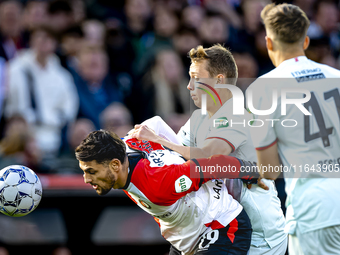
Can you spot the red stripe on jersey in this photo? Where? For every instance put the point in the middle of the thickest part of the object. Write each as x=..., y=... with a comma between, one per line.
x=266, y=147
x=296, y=59
x=233, y=227
x=127, y=193
x=231, y=145
x=214, y=225
x=157, y=221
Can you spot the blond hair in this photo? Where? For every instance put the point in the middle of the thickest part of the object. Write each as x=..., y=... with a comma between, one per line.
x=219, y=61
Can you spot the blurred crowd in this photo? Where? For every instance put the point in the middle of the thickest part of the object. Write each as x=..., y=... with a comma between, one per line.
x=70, y=67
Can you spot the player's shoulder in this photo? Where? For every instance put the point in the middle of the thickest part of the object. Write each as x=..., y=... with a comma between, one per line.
x=196, y=114
x=331, y=72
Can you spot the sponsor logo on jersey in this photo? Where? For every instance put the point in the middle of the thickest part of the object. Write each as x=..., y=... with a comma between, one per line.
x=145, y=204
x=182, y=184
x=221, y=122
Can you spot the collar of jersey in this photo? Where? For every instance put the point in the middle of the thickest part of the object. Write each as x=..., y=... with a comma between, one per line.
x=133, y=158
x=292, y=60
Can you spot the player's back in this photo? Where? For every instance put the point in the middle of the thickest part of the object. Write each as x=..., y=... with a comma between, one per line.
x=312, y=139
x=308, y=145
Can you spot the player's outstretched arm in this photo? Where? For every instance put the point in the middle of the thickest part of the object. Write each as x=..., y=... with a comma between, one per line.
x=211, y=146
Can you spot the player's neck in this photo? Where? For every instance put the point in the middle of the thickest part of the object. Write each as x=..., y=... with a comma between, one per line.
x=213, y=109
x=123, y=176
x=281, y=56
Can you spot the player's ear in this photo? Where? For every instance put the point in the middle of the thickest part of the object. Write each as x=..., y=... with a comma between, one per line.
x=269, y=43
x=306, y=43
x=115, y=164
x=220, y=79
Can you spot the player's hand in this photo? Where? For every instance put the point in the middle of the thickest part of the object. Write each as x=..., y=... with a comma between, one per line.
x=260, y=183
x=142, y=132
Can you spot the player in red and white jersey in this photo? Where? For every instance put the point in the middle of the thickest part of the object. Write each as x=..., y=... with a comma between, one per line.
x=304, y=131
x=196, y=215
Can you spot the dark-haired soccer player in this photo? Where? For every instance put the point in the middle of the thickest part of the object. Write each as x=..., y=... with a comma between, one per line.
x=196, y=215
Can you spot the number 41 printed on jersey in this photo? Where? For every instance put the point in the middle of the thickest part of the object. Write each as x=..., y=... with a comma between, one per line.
x=324, y=132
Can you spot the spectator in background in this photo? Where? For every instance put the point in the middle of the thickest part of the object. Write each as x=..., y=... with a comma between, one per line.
x=18, y=146
x=225, y=9
x=184, y=40
x=117, y=118
x=138, y=14
x=165, y=25
x=34, y=15
x=164, y=90
x=96, y=88
x=79, y=11
x=214, y=29
x=306, y=6
x=94, y=32
x=60, y=15
x=138, y=21
x=71, y=42
x=41, y=91
x=245, y=37
x=192, y=16
x=77, y=132
x=120, y=50
x=10, y=29
x=325, y=24
x=247, y=69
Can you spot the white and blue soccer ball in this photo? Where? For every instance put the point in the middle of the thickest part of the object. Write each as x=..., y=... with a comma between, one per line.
x=20, y=190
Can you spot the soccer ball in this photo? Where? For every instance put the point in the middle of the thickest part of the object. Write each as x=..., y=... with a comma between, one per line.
x=20, y=191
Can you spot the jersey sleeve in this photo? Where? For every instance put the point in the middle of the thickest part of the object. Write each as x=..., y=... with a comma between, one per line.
x=263, y=127
x=184, y=134
x=165, y=185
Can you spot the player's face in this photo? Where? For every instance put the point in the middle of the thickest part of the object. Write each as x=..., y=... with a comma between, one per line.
x=100, y=176
x=198, y=73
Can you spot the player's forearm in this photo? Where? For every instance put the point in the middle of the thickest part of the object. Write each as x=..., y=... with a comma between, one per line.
x=221, y=166
x=183, y=150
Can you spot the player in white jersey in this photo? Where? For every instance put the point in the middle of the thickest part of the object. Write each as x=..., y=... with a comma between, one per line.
x=221, y=132
x=306, y=138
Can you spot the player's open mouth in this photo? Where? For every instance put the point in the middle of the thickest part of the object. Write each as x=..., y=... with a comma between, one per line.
x=95, y=186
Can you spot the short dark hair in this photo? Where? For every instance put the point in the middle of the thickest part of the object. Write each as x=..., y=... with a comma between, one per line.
x=288, y=22
x=59, y=6
x=101, y=146
x=220, y=61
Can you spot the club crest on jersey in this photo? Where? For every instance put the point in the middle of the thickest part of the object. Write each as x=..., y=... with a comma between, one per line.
x=143, y=203
x=182, y=184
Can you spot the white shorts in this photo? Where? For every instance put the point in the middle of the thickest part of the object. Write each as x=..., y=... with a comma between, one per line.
x=264, y=210
x=321, y=241
x=279, y=249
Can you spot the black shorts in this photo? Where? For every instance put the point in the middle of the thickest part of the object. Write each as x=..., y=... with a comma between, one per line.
x=234, y=239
